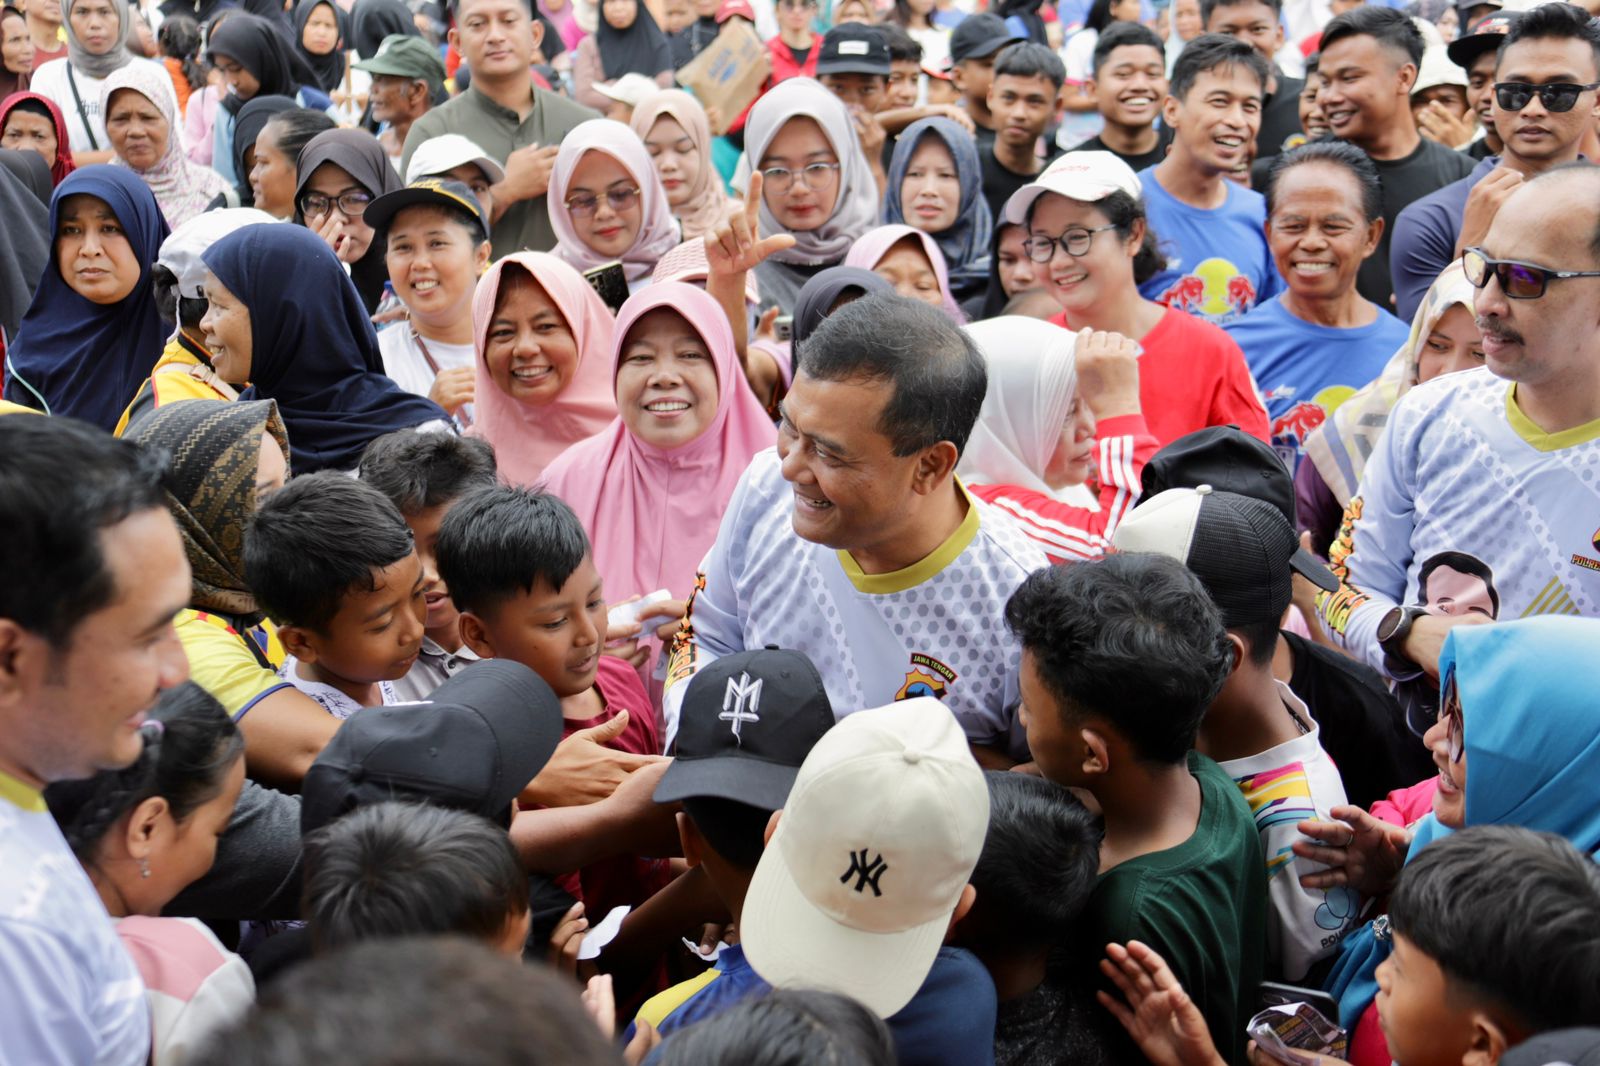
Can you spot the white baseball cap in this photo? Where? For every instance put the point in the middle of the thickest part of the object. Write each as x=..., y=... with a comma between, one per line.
x=181, y=251
x=855, y=891
x=629, y=89
x=1085, y=176
x=439, y=155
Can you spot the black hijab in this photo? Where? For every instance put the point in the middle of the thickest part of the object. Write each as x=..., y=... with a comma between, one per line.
x=992, y=301
x=825, y=289
x=373, y=20
x=30, y=169
x=247, y=126
x=328, y=70
x=640, y=49
x=265, y=52
x=359, y=154
x=25, y=252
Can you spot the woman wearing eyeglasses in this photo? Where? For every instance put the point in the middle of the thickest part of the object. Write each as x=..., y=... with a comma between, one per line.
x=607, y=202
x=340, y=173
x=1091, y=247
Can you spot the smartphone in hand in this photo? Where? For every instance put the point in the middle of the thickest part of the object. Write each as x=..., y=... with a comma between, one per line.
x=610, y=282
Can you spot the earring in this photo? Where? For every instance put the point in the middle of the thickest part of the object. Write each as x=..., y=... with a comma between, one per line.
x=144, y=867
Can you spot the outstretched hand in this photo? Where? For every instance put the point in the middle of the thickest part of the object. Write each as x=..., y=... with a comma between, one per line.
x=1155, y=1010
x=1357, y=850
x=736, y=245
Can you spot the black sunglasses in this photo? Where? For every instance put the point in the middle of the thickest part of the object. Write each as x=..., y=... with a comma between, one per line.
x=1556, y=97
x=1519, y=281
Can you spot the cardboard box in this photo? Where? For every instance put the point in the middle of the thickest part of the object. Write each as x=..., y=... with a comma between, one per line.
x=729, y=73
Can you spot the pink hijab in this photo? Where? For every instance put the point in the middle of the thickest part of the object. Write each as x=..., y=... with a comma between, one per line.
x=875, y=244
x=653, y=514
x=527, y=437
x=658, y=230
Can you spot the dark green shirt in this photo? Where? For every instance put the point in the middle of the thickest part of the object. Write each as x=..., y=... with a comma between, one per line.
x=525, y=226
x=1202, y=905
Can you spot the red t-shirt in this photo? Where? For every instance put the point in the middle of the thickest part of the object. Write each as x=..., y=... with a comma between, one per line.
x=1192, y=375
x=783, y=65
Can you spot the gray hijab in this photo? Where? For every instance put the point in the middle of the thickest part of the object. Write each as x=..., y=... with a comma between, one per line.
x=115, y=59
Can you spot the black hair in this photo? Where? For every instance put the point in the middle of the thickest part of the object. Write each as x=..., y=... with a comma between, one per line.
x=293, y=128
x=786, y=1027
x=51, y=546
x=1123, y=35
x=1335, y=153
x=1312, y=62
x=414, y=1000
x=903, y=48
x=736, y=831
x=1260, y=640
x=1214, y=51
x=418, y=471
x=164, y=290
x=1039, y=863
x=1028, y=59
x=1391, y=28
x=1099, y=16
x=1132, y=638
x=184, y=761
x=1536, y=951
x=937, y=375
x=179, y=39
x=407, y=869
x=1208, y=6
x=316, y=540
x=505, y=540
x=1560, y=21
x=1122, y=211
x=1461, y=563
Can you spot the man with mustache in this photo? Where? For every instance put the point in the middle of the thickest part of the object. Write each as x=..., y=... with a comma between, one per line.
x=1498, y=463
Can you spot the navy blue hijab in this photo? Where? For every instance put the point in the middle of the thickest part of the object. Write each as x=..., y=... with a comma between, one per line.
x=312, y=346
x=966, y=243
x=71, y=355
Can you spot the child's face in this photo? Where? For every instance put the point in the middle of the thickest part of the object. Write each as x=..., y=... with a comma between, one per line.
x=555, y=633
x=903, y=78
x=1421, y=1014
x=441, y=613
x=375, y=636
x=1048, y=736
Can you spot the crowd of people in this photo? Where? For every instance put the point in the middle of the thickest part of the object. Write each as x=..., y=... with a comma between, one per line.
x=999, y=549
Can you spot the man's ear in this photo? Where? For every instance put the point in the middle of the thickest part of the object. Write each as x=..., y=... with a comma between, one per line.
x=1096, y=752
x=1408, y=79
x=934, y=466
x=453, y=37
x=24, y=659
x=1236, y=651
x=1374, y=236
x=299, y=641
x=1169, y=111
x=689, y=837
x=475, y=635
x=956, y=78
x=537, y=29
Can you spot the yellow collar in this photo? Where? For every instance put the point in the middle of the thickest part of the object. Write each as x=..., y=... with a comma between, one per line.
x=20, y=795
x=1524, y=427
x=923, y=569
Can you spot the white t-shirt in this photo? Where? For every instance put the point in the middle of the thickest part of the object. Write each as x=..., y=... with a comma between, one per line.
x=1285, y=785
x=404, y=362
x=936, y=628
x=69, y=993
x=333, y=701
x=53, y=80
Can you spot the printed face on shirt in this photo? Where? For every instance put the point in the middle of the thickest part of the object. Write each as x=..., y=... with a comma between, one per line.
x=1454, y=343
x=30, y=132
x=906, y=266
x=1073, y=457
x=79, y=705
x=930, y=193
x=434, y=258
x=92, y=251
x=1537, y=134
x=1425, y=1017
x=496, y=37
x=1253, y=22
x=1365, y=85
x=1130, y=85
x=227, y=332
x=1081, y=282
x=240, y=81
x=676, y=161
x=354, y=236
x=1018, y=273
x=321, y=33
x=137, y=129
x=607, y=229
x=800, y=207
x=556, y=633
x=376, y=634
x=96, y=25
x=272, y=177
x=177, y=852
x=666, y=381
x=1214, y=126
x=1318, y=233
x=530, y=350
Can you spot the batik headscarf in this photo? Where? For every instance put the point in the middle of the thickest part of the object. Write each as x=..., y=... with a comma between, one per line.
x=46, y=107
x=182, y=188
x=210, y=486
x=966, y=243
x=708, y=201
x=658, y=232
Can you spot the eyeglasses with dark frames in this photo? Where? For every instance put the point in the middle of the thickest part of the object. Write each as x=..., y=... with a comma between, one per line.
x=1519, y=281
x=351, y=204
x=1076, y=242
x=1556, y=97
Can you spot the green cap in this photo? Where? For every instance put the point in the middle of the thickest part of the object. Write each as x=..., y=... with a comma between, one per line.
x=401, y=56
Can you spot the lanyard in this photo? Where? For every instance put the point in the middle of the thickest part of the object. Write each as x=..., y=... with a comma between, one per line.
x=433, y=365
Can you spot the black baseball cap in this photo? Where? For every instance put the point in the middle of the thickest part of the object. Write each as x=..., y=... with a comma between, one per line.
x=1485, y=35
x=1226, y=458
x=473, y=746
x=1241, y=549
x=979, y=35
x=443, y=192
x=853, y=49
x=748, y=721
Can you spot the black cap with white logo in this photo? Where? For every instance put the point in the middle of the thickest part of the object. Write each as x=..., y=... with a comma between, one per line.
x=852, y=48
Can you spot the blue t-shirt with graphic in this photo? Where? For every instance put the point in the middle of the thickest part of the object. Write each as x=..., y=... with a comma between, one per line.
x=1219, y=254
x=1305, y=371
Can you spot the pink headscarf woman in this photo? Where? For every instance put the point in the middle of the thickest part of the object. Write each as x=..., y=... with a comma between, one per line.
x=601, y=160
x=543, y=370
x=910, y=260
x=652, y=486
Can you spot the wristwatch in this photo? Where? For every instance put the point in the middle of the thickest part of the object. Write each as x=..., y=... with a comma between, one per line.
x=1393, y=629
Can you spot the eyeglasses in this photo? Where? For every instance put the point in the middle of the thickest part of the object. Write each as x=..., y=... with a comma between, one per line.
x=1075, y=242
x=1519, y=281
x=351, y=204
x=619, y=199
x=1556, y=97
x=1450, y=713
x=797, y=3
x=813, y=176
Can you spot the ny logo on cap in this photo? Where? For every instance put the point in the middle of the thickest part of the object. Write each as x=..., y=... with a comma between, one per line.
x=740, y=703
x=865, y=872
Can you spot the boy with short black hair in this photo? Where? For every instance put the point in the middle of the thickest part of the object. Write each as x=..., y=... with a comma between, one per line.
x=974, y=44
x=331, y=562
x=1259, y=23
x=1129, y=83
x=905, y=66
x=424, y=475
x=1121, y=658
x=1022, y=102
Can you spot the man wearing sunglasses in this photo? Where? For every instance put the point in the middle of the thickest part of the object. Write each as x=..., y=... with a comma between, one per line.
x=1543, y=101
x=1502, y=463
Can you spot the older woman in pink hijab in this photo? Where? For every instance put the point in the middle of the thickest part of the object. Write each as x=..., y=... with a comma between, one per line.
x=652, y=486
x=607, y=202
x=910, y=260
x=543, y=370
